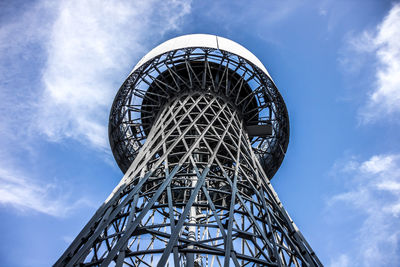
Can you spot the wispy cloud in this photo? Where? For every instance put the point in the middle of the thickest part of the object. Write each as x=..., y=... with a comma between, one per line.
x=374, y=194
x=235, y=16
x=27, y=195
x=91, y=47
x=341, y=261
x=60, y=68
x=63, y=62
x=21, y=58
x=384, y=44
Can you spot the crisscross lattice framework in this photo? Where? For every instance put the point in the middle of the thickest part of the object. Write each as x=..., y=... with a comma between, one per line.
x=195, y=195
x=166, y=76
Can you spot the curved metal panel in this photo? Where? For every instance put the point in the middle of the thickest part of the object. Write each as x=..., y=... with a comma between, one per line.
x=202, y=40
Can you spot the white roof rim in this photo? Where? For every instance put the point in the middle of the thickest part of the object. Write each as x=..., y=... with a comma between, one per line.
x=202, y=40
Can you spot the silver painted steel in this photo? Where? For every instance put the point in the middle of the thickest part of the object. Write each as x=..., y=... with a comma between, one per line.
x=199, y=128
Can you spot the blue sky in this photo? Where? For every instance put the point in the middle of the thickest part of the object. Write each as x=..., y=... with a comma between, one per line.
x=336, y=63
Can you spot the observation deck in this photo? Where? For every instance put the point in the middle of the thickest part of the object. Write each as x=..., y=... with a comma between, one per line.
x=204, y=63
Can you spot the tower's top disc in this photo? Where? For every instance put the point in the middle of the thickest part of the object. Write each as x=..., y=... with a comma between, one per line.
x=202, y=40
x=200, y=62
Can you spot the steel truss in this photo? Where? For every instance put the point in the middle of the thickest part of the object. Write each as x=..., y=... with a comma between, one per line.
x=198, y=198
x=196, y=190
x=147, y=89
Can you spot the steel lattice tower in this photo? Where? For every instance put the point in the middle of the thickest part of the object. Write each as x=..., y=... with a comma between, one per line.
x=199, y=128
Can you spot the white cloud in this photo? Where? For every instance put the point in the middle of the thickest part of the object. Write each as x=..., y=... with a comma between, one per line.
x=375, y=196
x=378, y=164
x=68, y=239
x=234, y=17
x=384, y=44
x=91, y=46
x=60, y=67
x=26, y=194
x=64, y=61
x=20, y=59
x=322, y=11
x=341, y=261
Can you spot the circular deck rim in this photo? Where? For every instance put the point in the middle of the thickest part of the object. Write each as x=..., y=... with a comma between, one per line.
x=202, y=40
x=213, y=42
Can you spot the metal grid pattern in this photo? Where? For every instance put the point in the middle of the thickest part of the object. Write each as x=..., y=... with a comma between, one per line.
x=195, y=195
x=154, y=83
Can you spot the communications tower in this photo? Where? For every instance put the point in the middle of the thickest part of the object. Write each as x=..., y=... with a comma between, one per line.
x=199, y=129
